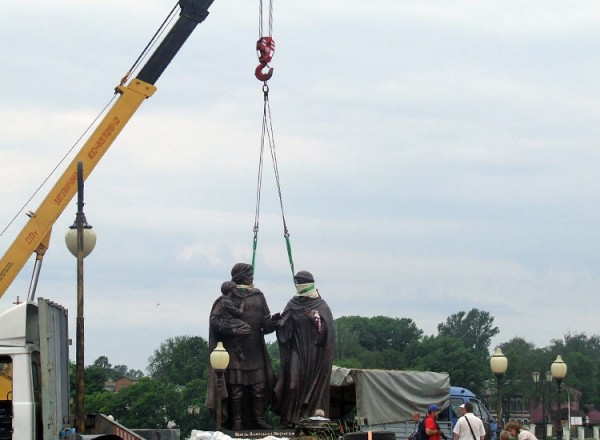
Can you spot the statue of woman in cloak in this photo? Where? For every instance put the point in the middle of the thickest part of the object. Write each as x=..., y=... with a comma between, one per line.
x=306, y=336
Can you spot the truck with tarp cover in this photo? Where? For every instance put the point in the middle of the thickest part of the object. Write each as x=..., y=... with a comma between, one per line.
x=384, y=400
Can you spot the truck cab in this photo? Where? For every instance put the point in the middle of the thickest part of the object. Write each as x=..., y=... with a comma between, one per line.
x=458, y=396
x=34, y=401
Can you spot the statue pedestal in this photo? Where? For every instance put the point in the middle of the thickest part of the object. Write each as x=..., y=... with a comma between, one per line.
x=261, y=433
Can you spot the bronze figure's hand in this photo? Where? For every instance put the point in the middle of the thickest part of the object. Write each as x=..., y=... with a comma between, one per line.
x=243, y=330
x=310, y=314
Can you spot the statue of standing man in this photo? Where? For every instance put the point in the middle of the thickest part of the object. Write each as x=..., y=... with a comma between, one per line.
x=249, y=378
x=306, y=337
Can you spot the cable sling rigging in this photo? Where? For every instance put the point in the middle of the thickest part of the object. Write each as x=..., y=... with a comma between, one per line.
x=265, y=47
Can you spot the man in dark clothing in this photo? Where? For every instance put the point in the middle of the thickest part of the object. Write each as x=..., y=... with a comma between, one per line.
x=306, y=336
x=250, y=376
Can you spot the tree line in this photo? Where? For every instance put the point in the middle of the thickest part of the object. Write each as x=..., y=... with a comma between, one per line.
x=177, y=370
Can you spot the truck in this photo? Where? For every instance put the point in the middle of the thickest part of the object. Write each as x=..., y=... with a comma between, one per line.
x=460, y=395
x=34, y=339
x=384, y=400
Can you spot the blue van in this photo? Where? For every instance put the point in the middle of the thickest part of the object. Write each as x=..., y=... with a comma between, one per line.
x=458, y=396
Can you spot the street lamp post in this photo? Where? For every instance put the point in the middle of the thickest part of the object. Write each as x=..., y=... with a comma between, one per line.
x=193, y=412
x=536, y=380
x=559, y=371
x=219, y=360
x=499, y=365
x=548, y=381
x=540, y=388
x=80, y=240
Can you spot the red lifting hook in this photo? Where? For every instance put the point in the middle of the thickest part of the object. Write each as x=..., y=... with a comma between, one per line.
x=265, y=48
x=260, y=75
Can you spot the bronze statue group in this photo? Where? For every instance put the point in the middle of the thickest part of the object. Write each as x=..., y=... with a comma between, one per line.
x=240, y=318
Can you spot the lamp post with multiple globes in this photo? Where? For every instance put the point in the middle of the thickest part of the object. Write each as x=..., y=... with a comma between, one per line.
x=540, y=387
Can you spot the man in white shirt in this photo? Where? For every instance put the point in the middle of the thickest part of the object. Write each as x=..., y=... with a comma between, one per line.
x=469, y=426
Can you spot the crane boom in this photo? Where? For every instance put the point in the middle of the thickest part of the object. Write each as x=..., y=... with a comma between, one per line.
x=34, y=236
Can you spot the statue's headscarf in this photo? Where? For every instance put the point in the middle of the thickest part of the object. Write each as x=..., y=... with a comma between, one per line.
x=305, y=284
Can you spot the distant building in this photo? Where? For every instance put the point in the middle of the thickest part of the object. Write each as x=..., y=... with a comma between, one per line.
x=109, y=385
x=117, y=385
x=123, y=382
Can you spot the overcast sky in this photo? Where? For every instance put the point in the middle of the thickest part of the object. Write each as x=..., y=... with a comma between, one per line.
x=434, y=156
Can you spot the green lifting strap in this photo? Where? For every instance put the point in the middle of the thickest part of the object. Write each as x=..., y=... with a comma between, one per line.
x=289, y=251
x=254, y=243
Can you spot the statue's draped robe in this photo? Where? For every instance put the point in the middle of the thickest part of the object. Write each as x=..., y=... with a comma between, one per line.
x=306, y=361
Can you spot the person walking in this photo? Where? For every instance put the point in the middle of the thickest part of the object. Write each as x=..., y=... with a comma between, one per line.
x=469, y=426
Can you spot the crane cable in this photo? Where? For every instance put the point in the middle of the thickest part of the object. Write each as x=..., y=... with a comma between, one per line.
x=265, y=47
x=260, y=18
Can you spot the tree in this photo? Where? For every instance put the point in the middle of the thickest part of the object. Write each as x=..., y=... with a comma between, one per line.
x=100, y=402
x=347, y=343
x=194, y=394
x=523, y=359
x=376, y=342
x=582, y=355
x=447, y=354
x=179, y=366
x=392, y=333
x=124, y=371
x=95, y=377
x=97, y=374
x=475, y=329
x=180, y=360
x=148, y=404
x=273, y=352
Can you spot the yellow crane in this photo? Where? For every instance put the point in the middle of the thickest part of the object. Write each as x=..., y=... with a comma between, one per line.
x=35, y=235
x=34, y=340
